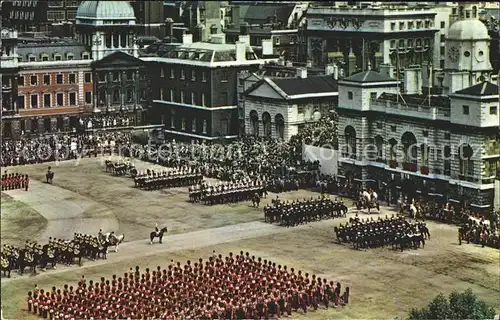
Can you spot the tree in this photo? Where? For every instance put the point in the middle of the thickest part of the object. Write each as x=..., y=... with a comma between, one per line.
x=464, y=305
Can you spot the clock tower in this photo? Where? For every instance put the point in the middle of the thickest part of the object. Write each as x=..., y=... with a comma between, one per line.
x=467, y=51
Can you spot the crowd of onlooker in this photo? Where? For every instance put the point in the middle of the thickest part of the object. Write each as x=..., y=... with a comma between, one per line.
x=104, y=121
x=237, y=286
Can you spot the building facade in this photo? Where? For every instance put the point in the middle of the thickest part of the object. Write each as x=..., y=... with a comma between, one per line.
x=9, y=70
x=194, y=87
x=279, y=107
x=356, y=37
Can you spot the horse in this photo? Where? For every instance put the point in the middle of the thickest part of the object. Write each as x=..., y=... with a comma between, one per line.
x=413, y=210
x=49, y=176
x=158, y=234
x=116, y=240
x=256, y=200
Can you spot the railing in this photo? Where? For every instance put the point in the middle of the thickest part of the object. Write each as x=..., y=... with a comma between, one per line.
x=421, y=111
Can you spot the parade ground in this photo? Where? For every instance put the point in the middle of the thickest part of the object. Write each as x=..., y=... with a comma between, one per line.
x=84, y=198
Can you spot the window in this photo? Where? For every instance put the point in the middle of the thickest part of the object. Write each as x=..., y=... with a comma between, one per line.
x=46, y=100
x=204, y=76
x=393, y=44
x=88, y=77
x=172, y=119
x=465, y=110
x=493, y=110
x=425, y=133
x=88, y=97
x=277, y=41
x=443, y=24
x=72, y=78
x=410, y=43
x=410, y=25
x=223, y=76
x=447, y=135
x=45, y=58
x=427, y=24
x=183, y=123
x=70, y=56
x=203, y=99
x=223, y=98
x=162, y=72
x=32, y=59
x=442, y=39
x=193, y=125
x=116, y=76
x=182, y=96
x=85, y=56
x=419, y=24
x=401, y=26
x=57, y=57
x=441, y=50
x=59, y=79
x=193, y=98
x=379, y=125
x=350, y=95
x=441, y=63
x=116, y=96
x=193, y=75
x=21, y=81
x=46, y=79
x=204, y=126
x=72, y=99
x=401, y=43
x=34, y=101
x=393, y=128
x=21, y=102
x=33, y=80
x=60, y=99
x=393, y=26
x=130, y=96
x=172, y=73
x=172, y=95
x=183, y=74
x=130, y=75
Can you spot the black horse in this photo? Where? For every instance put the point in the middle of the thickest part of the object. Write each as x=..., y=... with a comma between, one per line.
x=49, y=176
x=158, y=234
x=256, y=200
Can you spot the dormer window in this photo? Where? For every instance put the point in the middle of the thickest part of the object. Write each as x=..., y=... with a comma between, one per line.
x=401, y=26
x=44, y=57
x=70, y=56
x=31, y=58
x=85, y=56
x=419, y=24
x=57, y=57
x=410, y=25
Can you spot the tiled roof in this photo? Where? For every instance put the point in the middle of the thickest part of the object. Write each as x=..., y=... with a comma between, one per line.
x=258, y=13
x=481, y=89
x=369, y=76
x=318, y=84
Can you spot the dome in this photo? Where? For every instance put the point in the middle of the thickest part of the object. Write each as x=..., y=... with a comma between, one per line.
x=467, y=30
x=105, y=10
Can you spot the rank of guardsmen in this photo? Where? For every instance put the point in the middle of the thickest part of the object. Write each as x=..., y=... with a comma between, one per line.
x=228, y=192
x=153, y=180
x=295, y=212
x=13, y=181
x=394, y=231
x=56, y=251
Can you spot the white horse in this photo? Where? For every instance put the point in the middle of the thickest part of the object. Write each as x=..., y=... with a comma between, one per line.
x=413, y=211
x=114, y=240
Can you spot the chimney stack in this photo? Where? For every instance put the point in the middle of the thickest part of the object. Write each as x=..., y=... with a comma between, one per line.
x=244, y=38
x=329, y=69
x=241, y=51
x=267, y=47
x=169, y=27
x=302, y=73
x=199, y=35
x=387, y=69
x=187, y=39
x=309, y=63
x=289, y=64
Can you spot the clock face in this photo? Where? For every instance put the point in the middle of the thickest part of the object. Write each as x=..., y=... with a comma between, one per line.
x=480, y=55
x=453, y=54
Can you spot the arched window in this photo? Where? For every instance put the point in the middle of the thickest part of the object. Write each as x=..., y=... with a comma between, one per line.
x=379, y=145
x=266, y=122
x=409, y=147
x=279, y=122
x=350, y=141
x=465, y=159
x=254, y=121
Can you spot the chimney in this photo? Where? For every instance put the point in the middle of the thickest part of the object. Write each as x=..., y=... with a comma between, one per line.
x=241, y=51
x=309, y=64
x=413, y=80
x=281, y=61
x=302, y=73
x=289, y=64
x=213, y=29
x=169, y=27
x=235, y=16
x=329, y=69
x=387, y=69
x=244, y=38
x=199, y=35
x=267, y=47
x=187, y=39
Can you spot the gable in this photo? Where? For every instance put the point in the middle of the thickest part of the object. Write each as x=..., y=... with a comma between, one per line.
x=264, y=90
x=117, y=59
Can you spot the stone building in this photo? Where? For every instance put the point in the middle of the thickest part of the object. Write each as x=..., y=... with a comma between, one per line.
x=441, y=145
x=280, y=107
x=194, y=87
x=9, y=69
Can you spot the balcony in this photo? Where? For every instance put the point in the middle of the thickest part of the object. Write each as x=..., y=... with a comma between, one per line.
x=424, y=170
x=409, y=166
x=468, y=178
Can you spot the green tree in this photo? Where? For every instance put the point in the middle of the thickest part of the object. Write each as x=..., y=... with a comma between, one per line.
x=459, y=305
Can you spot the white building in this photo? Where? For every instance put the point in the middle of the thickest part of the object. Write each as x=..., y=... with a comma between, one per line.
x=446, y=146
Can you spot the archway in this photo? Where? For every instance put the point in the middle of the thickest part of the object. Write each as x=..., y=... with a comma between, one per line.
x=350, y=141
x=266, y=122
x=254, y=121
x=409, y=143
x=465, y=153
x=379, y=145
x=279, y=122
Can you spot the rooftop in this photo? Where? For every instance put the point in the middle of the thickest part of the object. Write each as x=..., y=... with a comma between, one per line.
x=369, y=76
x=67, y=49
x=105, y=10
x=309, y=85
x=442, y=101
x=260, y=13
x=480, y=90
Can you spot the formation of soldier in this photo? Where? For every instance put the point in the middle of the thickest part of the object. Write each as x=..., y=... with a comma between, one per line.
x=232, y=287
x=395, y=231
x=13, y=181
x=151, y=179
x=225, y=192
x=479, y=231
x=295, y=212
